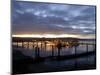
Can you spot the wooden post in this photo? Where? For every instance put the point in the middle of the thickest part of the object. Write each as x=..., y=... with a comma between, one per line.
x=75, y=56
x=94, y=47
x=27, y=44
x=22, y=44
x=58, y=52
x=75, y=51
x=87, y=48
x=87, y=52
x=37, y=51
x=41, y=45
x=17, y=44
x=53, y=46
x=37, y=43
x=52, y=51
x=59, y=46
x=33, y=45
x=45, y=45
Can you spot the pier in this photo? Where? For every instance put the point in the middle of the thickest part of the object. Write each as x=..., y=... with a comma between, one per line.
x=39, y=44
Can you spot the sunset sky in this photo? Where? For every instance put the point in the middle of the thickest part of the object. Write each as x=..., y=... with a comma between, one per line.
x=33, y=19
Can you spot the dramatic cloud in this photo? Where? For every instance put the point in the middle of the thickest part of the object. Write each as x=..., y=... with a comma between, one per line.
x=44, y=18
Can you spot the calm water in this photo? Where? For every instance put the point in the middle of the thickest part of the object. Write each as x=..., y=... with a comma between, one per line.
x=54, y=64
x=29, y=48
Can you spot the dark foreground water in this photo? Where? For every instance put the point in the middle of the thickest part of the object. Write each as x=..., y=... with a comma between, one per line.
x=80, y=63
x=23, y=59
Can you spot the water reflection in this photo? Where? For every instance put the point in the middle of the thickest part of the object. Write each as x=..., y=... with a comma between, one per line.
x=47, y=47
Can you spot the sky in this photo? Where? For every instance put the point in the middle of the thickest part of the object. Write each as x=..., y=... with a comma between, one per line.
x=34, y=18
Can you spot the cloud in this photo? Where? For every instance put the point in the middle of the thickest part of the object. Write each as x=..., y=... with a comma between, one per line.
x=34, y=17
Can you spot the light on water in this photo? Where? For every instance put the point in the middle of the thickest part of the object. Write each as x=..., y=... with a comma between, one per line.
x=46, y=48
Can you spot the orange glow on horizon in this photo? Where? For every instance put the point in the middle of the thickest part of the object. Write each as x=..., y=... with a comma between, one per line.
x=45, y=35
x=54, y=36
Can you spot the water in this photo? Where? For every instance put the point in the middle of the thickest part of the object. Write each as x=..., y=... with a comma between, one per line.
x=54, y=65
x=70, y=64
x=46, y=50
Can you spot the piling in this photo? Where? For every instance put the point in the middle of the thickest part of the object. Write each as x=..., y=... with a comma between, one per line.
x=52, y=51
